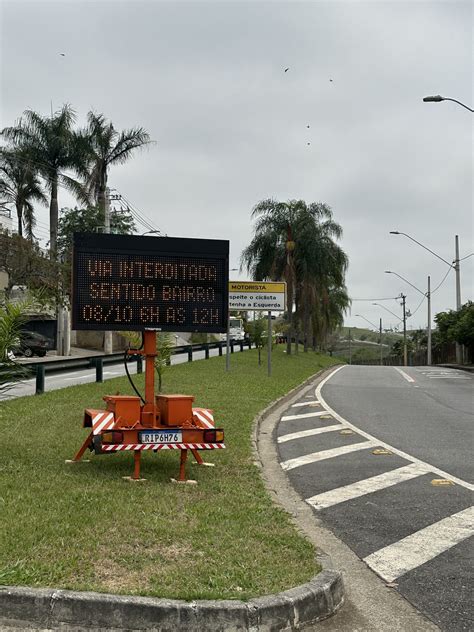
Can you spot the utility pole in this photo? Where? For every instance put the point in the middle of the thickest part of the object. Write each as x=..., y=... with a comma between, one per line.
x=350, y=346
x=405, y=350
x=428, y=296
x=269, y=343
x=107, y=334
x=459, y=358
x=381, y=348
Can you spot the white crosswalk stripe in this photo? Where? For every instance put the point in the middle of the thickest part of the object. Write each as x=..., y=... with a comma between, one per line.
x=366, y=486
x=313, y=402
x=290, y=464
x=317, y=413
x=308, y=433
x=422, y=546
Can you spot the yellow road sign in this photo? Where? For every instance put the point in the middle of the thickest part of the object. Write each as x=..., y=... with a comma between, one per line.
x=254, y=287
x=257, y=296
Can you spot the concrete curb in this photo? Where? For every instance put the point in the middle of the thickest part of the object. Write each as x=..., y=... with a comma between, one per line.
x=292, y=609
x=70, y=610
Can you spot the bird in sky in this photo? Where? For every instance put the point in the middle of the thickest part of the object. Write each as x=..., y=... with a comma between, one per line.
x=62, y=54
x=330, y=80
x=308, y=143
x=307, y=126
x=287, y=69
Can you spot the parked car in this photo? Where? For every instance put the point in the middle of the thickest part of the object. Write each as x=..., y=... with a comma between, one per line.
x=32, y=343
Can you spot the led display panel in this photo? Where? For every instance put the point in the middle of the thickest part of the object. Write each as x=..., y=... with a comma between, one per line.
x=130, y=282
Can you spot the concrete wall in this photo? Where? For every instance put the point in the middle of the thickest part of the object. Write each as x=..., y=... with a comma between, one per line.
x=95, y=340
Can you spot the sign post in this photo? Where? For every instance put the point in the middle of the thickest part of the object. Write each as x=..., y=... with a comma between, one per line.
x=227, y=345
x=269, y=340
x=259, y=296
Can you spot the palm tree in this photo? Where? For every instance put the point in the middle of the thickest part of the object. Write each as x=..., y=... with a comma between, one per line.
x=295, y=241
x=108, y=147
x=53, y=146
x=270, y=255
x=320, y=264
x=20, y=187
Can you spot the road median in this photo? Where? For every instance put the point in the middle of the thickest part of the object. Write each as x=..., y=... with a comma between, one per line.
x=84, y=529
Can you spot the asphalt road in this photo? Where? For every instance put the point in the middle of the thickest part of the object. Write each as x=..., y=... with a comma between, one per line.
x=54, y=381
x=384, y=458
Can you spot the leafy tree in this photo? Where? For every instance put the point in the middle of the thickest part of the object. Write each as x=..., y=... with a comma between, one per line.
x=398, y=346
x=53, y=147
x=12, y=317
x=26, y=264
x=457, y=326
x=20, y=187
x=419, y=337
x=86, y=220
x=108, y=147
x=164, y=350
x=257, y=333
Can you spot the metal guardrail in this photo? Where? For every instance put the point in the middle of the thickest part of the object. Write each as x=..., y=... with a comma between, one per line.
x=54, y=366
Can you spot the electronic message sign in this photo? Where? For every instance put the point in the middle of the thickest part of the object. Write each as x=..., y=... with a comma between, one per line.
x=129, y=282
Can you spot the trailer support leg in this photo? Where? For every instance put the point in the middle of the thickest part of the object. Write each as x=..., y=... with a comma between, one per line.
x=81, y=450
x=136, y=465
x=199, y=460
x=182, y=465
x=197, y=456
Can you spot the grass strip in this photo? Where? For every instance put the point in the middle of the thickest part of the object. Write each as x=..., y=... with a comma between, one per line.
x=82, y=527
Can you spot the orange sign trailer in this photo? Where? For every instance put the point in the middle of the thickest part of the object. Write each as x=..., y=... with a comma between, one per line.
x=161, y=422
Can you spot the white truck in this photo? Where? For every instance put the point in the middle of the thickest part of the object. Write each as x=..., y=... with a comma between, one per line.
x=236, y=330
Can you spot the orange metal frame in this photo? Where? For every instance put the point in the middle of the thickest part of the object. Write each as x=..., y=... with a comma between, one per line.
x=150, y=415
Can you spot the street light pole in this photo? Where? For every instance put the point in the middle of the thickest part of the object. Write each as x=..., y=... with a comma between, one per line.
x=108, y=345
x=380, y=332
x=428, y=296
x=381, y=348
x=405, y=351
x=456, y=265
x=437, y=98
x=459, y=358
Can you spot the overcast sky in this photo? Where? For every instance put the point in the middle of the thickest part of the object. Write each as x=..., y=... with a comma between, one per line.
x=207, y=80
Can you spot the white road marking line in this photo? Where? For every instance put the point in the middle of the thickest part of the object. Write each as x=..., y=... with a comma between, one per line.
x=366, y=486
x=422, y=546
x=315, y=401
x=308, y=433
x=317, y=413
x=404, y=455
x=81, y=377
x=405, y=375
x=325, y=454
x=448, y=377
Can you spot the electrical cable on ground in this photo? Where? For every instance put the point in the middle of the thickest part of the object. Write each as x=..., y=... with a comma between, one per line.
x=128, y=373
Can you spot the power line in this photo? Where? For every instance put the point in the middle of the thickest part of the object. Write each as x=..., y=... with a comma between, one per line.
x=444, y=279
x=421, y=303
x=467, y=256
x=139, y=215
x=392, y=298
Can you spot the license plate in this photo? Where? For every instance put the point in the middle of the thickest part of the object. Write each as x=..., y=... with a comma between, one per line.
x=161, y=436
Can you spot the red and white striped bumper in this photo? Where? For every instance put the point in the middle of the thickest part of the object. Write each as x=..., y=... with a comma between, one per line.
x=117, y=447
